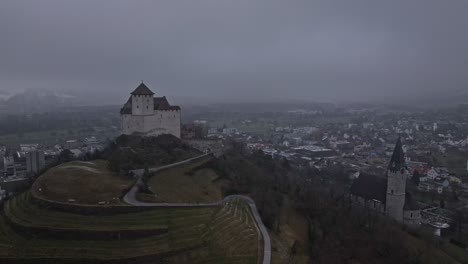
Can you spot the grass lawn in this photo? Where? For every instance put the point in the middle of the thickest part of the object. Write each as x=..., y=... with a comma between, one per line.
x=84, y=182
x=186, y=184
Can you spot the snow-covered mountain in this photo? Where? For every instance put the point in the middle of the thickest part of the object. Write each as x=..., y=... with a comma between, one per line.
x=37, y=101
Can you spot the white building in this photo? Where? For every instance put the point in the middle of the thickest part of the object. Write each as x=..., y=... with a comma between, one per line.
x=9, y=165
x=35, y=161
x=148, y=115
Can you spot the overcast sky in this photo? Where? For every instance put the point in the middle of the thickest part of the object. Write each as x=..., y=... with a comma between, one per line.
x=322, y=50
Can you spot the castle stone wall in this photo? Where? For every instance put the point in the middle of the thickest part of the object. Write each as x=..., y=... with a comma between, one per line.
x=132, y=124
x=161, y=122
x=412, y=217
x=142, y=105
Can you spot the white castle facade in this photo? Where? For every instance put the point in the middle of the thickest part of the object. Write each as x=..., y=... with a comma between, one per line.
x=148, y=115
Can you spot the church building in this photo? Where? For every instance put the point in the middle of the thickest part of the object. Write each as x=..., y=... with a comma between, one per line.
x=388, y=195
x=148, y=115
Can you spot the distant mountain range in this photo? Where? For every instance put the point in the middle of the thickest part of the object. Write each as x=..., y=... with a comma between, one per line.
x=32, y=101
x=36, y=100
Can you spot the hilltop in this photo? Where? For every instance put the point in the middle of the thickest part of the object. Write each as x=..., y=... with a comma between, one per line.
x=74, y=212
x=135, y=152
x=83, y=182
x=106, y=181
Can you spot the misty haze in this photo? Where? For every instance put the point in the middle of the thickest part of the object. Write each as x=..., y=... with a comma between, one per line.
x=248, y=131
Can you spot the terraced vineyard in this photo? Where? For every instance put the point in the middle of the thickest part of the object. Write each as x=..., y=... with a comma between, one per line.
x=221, y=234
x=233, y=236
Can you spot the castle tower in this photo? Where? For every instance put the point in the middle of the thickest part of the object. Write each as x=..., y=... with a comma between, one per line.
x=148, y=115
x=142, y=101
x=396, y=184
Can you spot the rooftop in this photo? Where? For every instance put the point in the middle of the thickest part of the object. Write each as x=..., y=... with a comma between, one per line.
x=370, y=187
x=142, y=89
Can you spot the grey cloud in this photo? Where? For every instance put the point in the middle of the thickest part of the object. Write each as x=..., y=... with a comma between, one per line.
x=328, y=50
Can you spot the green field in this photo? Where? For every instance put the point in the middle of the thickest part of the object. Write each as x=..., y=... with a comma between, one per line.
x=186, y=184
x=82, y=182
x=55, y=136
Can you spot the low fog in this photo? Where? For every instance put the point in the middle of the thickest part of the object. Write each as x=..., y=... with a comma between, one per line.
x=219, y=50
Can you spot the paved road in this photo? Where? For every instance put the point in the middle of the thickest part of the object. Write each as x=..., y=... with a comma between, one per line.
x=130, y=198
x=140, y=172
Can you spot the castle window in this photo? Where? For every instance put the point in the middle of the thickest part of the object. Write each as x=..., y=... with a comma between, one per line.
x=392, y=191
x=146, y=107
x=138, y=106
x=411, y=214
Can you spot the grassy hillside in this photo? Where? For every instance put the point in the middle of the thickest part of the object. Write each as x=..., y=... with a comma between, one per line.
x=87, y=182
x=223, y=234
x=73, y=213
x=191, y=183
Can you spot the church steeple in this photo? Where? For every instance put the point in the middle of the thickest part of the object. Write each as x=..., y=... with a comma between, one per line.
x=396, y=183
x=397, y=162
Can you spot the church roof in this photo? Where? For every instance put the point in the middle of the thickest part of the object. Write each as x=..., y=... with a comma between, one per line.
x=397, y=162
x=370, y=187
x=410, y=203
x=142, y=89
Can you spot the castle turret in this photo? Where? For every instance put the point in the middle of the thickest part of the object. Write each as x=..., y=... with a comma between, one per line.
x=142, y=101
x=396, y=184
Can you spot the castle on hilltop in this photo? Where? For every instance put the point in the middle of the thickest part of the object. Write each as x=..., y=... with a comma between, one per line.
x=388, y=195
x=147, y=115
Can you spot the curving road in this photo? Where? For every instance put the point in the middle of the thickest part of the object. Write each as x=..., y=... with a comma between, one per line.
x=130, y=198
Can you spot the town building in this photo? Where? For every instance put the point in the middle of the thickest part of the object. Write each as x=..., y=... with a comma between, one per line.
x=71, y=144
x=28, y=147
x=9, y=166
x=35, y=161
x=148, y=115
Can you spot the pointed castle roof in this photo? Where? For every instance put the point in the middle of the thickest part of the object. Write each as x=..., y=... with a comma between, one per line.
x=142, y=89
x=160, y=103
x=397, y=162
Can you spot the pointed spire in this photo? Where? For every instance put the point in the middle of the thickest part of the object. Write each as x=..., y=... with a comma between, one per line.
x=397, y=162
x=142, y=89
